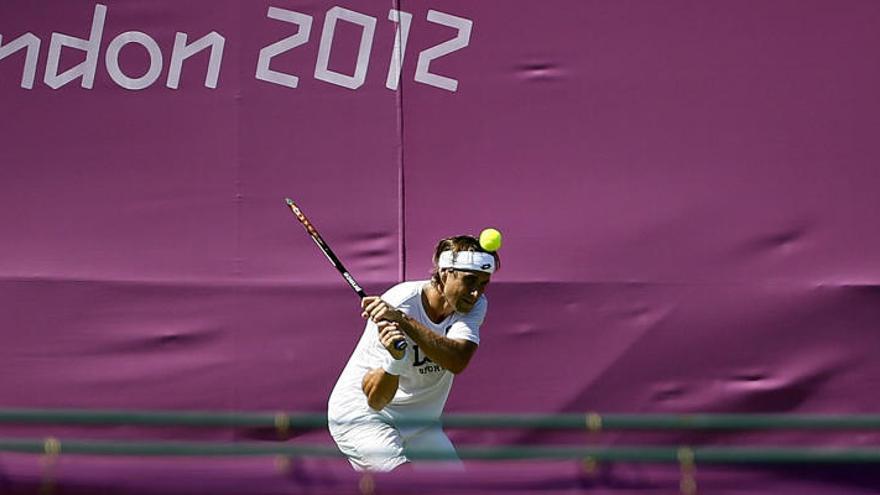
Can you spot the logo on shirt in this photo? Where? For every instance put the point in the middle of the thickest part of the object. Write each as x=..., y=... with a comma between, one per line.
x=424, y=364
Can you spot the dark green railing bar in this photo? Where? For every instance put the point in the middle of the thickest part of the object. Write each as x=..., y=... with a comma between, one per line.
x=198, y=419
x=215, y=419
x=699, y=455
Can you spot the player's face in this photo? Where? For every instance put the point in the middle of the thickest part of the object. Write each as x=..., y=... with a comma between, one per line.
x=462, y=288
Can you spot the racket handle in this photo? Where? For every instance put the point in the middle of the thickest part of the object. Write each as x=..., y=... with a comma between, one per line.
x=400, y=344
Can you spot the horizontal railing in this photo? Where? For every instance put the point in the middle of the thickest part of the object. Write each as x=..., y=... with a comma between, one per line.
x=589, y=421
x=589, y=456
x=726, y=455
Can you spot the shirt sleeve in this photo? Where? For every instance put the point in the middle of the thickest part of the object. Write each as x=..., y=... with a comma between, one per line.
x=400, y=296
x=467, y=327
x=405, y=298
x=374, y=354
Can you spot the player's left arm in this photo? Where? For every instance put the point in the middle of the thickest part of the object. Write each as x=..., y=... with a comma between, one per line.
x=452, y=354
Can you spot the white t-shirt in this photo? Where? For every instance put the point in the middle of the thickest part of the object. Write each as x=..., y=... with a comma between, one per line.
x=424, y=386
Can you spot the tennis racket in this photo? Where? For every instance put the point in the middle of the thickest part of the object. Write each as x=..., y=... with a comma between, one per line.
x=334, y=260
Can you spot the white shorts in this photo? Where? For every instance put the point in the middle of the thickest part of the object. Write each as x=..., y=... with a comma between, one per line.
x=372, y=444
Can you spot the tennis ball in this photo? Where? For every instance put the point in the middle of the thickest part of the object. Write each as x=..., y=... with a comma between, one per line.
x=490, y=239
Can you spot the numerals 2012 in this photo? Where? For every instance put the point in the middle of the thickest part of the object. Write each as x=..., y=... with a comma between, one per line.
x=402, y=22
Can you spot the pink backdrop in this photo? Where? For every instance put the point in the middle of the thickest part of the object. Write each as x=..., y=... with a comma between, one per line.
x=688, y=193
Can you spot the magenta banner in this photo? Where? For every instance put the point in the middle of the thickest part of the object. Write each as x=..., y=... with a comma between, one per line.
x=688, y=193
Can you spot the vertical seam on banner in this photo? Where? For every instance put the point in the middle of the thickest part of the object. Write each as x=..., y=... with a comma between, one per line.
x=401, y=176
x=238, y=200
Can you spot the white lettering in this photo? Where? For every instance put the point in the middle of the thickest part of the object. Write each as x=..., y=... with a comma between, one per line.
x=350, y=78
x=112, y=60
x=85, y=69
x=264, y=73
x=401, y=34
x=32, y=43
x=182, y=51
x=368, y=25
x=461, y=40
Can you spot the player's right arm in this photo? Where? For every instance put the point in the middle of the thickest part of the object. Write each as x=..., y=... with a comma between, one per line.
x=379, y=385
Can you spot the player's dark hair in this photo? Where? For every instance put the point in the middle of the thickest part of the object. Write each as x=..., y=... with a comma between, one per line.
x=456, y=244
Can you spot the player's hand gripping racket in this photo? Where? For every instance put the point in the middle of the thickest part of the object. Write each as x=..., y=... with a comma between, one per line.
x=313, y=233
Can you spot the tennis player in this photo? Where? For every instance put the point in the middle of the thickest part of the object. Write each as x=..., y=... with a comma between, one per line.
x=440, y=319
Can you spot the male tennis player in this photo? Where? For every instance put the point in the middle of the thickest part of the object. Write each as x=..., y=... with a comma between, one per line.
x=440, y=320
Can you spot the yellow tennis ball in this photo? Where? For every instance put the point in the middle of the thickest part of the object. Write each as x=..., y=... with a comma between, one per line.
x=490, y=240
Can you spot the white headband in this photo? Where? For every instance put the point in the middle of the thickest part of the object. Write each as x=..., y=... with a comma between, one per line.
x=477, y=261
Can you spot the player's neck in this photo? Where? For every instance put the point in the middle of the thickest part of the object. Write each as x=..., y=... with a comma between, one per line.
x=436, y=306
